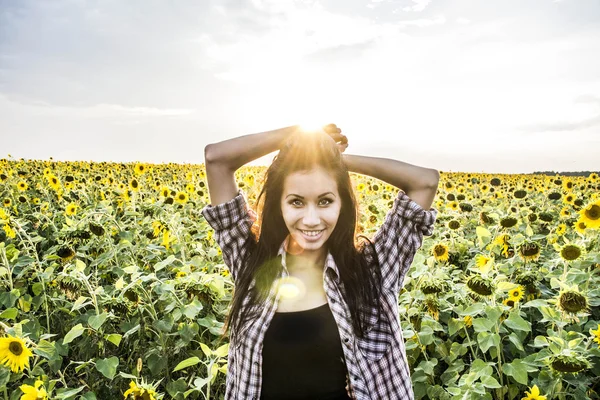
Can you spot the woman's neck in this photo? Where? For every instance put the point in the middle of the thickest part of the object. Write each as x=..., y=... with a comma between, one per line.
x=305, y=262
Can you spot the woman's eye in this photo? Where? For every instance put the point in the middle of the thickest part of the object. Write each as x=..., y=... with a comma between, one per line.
x=293, y=202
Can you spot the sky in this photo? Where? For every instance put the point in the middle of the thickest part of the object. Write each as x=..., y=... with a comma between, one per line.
x=494, y=86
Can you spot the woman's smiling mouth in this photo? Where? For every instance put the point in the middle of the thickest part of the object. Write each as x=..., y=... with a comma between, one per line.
x=312, y=235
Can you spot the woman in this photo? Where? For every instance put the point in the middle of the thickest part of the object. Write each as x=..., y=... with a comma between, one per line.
x=314, y=313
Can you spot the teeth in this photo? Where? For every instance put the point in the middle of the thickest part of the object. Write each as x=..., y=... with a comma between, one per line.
x=312, y=233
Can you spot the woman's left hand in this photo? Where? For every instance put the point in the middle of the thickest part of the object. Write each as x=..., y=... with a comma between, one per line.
x=336, y=134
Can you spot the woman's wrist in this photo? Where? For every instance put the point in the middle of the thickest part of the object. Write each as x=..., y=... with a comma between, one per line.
x=241, y=150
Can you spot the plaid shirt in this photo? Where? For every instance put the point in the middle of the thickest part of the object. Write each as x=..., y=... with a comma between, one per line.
x=377, y=365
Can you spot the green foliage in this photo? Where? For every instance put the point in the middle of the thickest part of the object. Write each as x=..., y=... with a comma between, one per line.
x=132, y=302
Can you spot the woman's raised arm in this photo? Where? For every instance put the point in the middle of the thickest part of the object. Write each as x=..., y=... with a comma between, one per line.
x=222, y=159
x=420, y=184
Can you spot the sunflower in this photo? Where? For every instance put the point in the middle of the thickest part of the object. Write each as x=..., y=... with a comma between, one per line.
x=7, y=202
x=71, y=209
x=480, y=285
x=571, y=252
x=590, y=214
x=508, y=222
x=569, y=199
x=484, y=262
x=10, y=232
x=22, y=186
x=432, y=306
x=565, y=212
x=166, y=239
x=434, y=286
x=440, y=252
x=572, y=301
x=96, y=229
x=165, y=191
x=581, y=226
x=66, y=253
x=516, y=294
x=181, y=197
x=360, y=187
x=468, y=320
x=569, y=363
x=561, y=229
x=141, y=392
x=190, y=188
x=134, y=185
x=453, y=205
x=534, y=394
x=502, y=241
x=529, y=251
x=33, y=392
x=249, y=179
x=526, y=278
x=139, y=168
x=596, y=335
x=157, y=227
x=53, y=182
x=509, y=302
x=14, y=353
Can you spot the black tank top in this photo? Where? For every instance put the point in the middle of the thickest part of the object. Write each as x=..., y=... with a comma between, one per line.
x=303, y=357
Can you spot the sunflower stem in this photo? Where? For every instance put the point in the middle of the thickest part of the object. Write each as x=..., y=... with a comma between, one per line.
x=5, y=261
x=39, y=273
x=499, y=350
x=470, y=344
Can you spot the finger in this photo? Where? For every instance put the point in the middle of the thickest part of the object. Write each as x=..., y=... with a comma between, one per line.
x=331, y=128
x=338, y=136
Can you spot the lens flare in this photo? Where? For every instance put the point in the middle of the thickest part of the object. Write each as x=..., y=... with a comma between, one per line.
x=291, y=288
x=312, y=125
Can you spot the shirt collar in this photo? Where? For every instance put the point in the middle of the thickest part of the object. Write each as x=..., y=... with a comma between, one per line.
x=329, y=262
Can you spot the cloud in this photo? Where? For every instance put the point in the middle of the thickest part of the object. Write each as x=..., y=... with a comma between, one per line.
x=565, y=126
x=341, y=53
x=423, y=22
x=576, y=125
x=418, y=6
x=38, y=108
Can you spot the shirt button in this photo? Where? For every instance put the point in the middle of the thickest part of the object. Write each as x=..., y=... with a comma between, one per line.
x=333, y=301
x=346, y=340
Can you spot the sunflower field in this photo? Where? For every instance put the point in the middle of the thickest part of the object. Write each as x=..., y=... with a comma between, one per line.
x=113, y=287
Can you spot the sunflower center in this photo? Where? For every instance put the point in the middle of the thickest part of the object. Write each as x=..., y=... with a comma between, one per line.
x=439, y=250
x=571, y=252
x=593, y=213
x=531, y=249
x=16, y=348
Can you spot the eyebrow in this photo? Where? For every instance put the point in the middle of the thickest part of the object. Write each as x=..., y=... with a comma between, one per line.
x=302, y=197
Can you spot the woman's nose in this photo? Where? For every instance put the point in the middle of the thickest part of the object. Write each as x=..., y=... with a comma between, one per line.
x=311, y=217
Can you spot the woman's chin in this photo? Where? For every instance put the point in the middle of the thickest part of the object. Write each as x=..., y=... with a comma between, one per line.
x=301, y=245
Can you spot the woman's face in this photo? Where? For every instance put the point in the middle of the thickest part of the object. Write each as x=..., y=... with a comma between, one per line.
x=311, y=206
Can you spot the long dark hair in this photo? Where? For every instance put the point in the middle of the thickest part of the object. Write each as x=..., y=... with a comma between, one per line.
x=359, y=273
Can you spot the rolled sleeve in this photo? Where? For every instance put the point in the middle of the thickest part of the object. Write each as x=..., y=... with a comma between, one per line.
x=400, y=236
x=232, y=222
x=224, y=215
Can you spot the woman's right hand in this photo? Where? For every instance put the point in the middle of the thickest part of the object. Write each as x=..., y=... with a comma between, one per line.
x=336, y=134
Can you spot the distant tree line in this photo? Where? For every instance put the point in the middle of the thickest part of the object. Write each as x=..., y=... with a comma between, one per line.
x=568, y=173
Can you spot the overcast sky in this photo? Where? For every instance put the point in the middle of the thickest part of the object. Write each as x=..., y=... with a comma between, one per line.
x=457, y=85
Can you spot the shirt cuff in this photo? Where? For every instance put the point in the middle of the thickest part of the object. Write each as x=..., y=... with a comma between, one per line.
x=224, y=215
x=409, y=209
